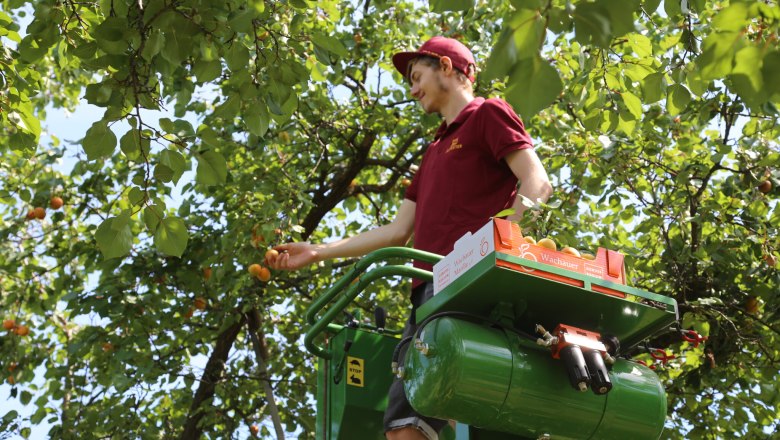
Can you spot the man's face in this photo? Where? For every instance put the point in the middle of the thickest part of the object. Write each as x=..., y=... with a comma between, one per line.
x=428, y=87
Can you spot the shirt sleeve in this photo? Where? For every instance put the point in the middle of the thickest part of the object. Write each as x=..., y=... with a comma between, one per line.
x=502, y=129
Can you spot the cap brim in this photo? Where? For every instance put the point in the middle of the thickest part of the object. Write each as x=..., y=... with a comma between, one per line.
x=401, y=61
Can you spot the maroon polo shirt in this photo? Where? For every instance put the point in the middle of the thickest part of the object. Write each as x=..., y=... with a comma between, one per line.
x=463, y=179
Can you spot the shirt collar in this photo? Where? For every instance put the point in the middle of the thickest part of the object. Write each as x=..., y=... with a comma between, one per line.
x=462, y=116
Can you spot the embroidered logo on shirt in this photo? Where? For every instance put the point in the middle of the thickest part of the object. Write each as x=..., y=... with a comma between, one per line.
x=454, y=145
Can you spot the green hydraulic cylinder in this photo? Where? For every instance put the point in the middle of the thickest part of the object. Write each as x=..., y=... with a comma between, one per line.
x=494, y=379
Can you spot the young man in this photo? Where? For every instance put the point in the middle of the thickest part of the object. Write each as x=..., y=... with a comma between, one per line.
x=468, y=174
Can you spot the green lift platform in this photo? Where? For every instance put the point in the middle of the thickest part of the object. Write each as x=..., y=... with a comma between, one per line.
x=510, y=348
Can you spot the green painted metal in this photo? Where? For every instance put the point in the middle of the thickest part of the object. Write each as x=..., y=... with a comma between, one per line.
x=342, y=300
x=347, y=411
x=486, y=377
x=363, y=264
x=539, y=300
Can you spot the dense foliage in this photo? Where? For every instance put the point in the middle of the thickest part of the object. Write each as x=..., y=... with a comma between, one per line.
x=657, y=123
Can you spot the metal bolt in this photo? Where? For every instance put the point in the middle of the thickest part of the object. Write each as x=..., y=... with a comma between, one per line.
x=423, y=348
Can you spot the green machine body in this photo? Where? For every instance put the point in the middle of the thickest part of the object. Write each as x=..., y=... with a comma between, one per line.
x=496, y=380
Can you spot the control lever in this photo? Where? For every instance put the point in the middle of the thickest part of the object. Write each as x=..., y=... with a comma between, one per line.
x=380, y=319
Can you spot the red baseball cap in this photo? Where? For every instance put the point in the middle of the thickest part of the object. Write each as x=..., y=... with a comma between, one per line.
x=439, y=47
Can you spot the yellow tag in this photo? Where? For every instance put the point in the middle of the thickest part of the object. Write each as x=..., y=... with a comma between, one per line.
x=355, y=371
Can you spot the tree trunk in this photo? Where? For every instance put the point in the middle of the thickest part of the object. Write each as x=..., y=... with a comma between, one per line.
x=214, y=368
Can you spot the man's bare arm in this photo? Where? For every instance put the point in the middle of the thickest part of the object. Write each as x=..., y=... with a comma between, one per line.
x=534, y=183
x=297, y=255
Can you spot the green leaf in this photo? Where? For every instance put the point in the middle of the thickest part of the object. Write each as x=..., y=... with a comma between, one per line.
x=642, y=45
x=10, y=416
x=100, y=141
x=237, y=57
x=206, y=71
x=129, y=144
x=154, y=44
x=98, y=94
x=110, y=35
x=450, y=5
x=135, y=196
x=330, y=44
x=25, y=119
x=178, y=45
x=633, y=104
x=534, y=85
x=677, y=99
x=528, y=33
x=257, y=119
x=650, y=6
x=621, y=15
x=163, y=173
x=175, y=162
x=770, y=72
x=503, y=56
x=171, y=236
x=592, y=25
x=152, y=215
x=732, y=18
x=212, y=168
x=505, y=213
x=653, y=87
x=746, y=77
x=114, y=243
x=717, y=55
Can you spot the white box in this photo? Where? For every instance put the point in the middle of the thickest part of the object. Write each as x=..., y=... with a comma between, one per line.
x=467, y=252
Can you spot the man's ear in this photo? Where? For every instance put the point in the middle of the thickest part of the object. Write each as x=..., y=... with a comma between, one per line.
x=446, y=64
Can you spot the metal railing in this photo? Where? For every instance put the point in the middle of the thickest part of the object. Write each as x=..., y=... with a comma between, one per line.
x=344, y=291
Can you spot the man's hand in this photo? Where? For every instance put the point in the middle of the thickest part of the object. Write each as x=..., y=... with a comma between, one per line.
x=293, y=256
